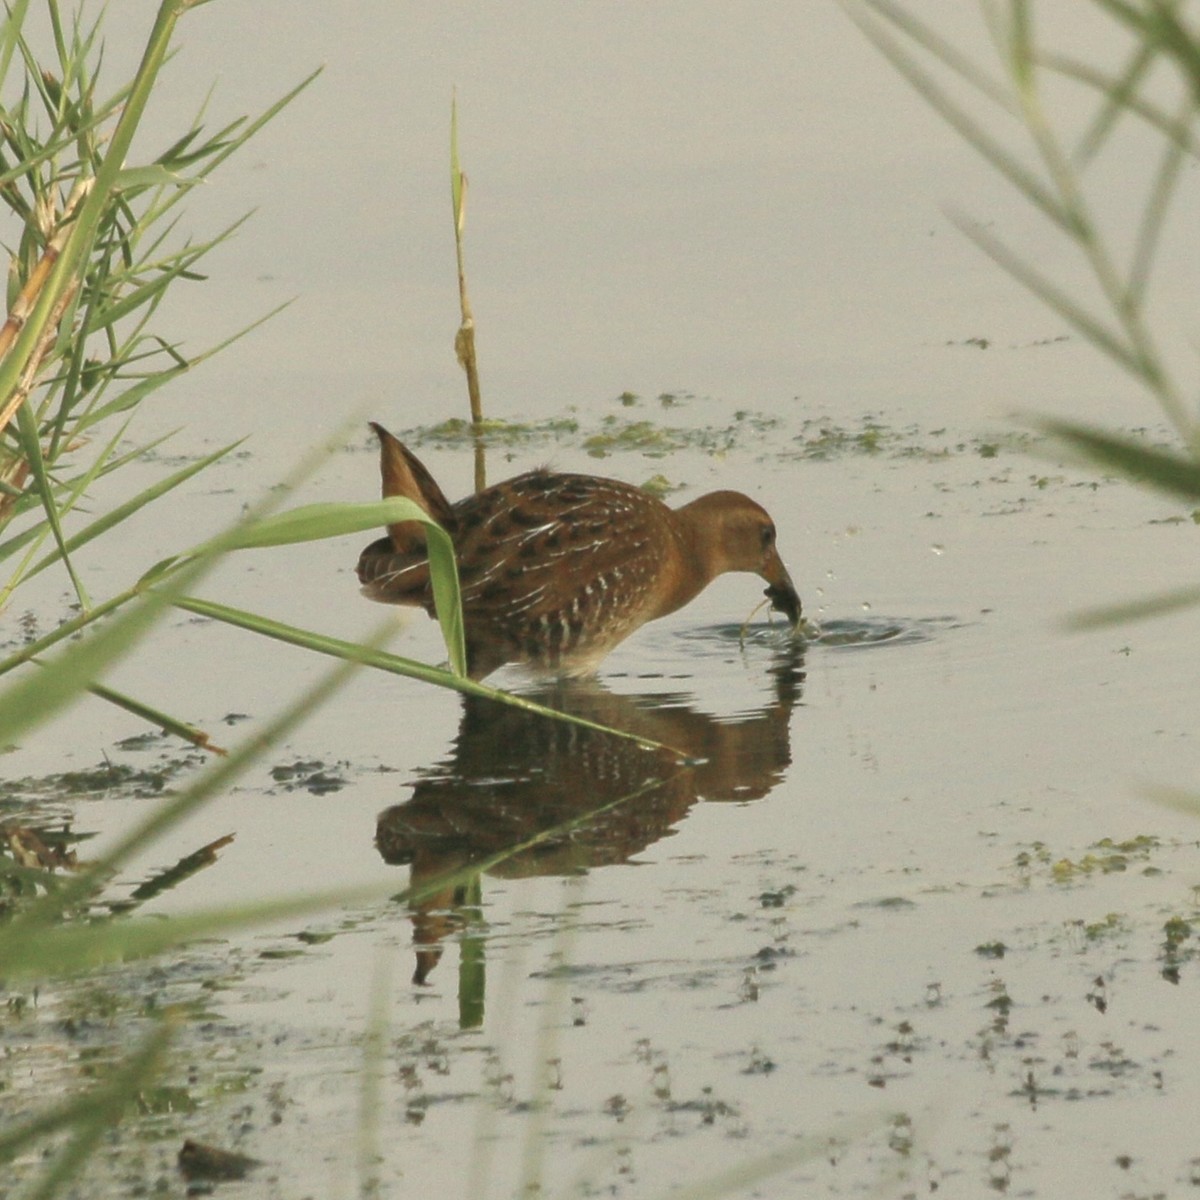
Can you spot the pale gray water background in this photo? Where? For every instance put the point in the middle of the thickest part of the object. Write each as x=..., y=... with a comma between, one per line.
x=743, y=207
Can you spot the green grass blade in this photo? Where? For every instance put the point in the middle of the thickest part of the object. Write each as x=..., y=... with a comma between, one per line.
x=922, y=34
x=456, y=175
x=218, y=148
x=50, y=951
x=1176, y=40
x=1177, y=799
x=1092, y=327
x=87, y=1116
x=130, y=398
x=1153, y=221
x=79, y=242
x=1121, y=98
x=267, y=115
x=748, y=1176
x=73, y=488
x=447, y=596
x=10, y=33
x=379, y=659
x=11, y=545
x=1159, y=604
x=149, y=175
x=39, y=472
x=60, y=633
x=144, y=282
x=35, y=698
x=70, y=495
x=237, y=335
x=25, y=704
x=23, y=941
x=1119, y=93
x=324, y=644
x=124, y=511
x=152, y=716
x=1173, y=473
x=314, y=522
x=1056, y=187
x=951, y=112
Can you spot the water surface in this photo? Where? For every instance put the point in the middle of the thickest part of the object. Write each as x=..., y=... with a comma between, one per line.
x=903, y=888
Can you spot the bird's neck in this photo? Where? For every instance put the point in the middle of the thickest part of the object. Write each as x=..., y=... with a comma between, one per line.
x=696, y=555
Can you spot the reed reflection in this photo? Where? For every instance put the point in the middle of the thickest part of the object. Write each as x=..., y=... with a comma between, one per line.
x=520, y=795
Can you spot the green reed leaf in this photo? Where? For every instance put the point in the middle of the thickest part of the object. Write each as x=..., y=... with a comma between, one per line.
x=1168, y=471
x=1159, y=604
x=315, y=522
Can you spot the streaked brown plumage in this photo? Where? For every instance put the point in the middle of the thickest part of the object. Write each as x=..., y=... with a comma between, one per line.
x=557, y=569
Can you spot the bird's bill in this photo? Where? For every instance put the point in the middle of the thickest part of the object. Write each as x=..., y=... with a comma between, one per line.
x=781, y=591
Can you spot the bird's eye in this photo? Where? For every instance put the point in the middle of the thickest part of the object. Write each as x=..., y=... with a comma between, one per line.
x=768, y=536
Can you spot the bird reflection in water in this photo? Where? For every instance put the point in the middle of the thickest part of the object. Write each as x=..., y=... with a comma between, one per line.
x=522, y=795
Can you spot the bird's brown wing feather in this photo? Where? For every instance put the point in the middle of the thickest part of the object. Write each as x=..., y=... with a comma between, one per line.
x=553, y=562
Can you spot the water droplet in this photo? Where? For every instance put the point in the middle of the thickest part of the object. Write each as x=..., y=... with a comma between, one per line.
x=938, y=548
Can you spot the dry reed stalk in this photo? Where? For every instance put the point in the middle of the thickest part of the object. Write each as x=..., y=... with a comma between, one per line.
x=27, y=299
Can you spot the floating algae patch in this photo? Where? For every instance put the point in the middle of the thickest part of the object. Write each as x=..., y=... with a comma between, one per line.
x=107, y=779
x=659, y=485
x=311, y=775
x=822, y=439
x=617, y=435
x=70, y=1038
x=612, y=434
x=788, y=434
x=459, y=432
x=1104, y=857
x=645, y=437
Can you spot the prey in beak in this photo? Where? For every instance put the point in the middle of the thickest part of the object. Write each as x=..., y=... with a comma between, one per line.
x=781, y=591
